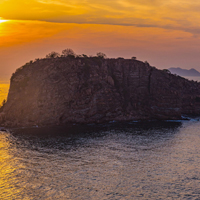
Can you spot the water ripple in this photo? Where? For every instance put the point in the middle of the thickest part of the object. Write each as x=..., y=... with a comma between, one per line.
x=111, y=161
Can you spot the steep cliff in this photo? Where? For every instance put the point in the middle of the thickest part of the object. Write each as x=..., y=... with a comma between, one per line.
x=64, y=90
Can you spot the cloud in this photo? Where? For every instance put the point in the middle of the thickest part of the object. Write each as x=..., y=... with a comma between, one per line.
x=54, y=2
x=177, y=15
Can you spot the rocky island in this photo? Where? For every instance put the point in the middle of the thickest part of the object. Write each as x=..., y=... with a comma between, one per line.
x=72, y=89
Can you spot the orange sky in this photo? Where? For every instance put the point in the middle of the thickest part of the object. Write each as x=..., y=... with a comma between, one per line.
x=165, y=33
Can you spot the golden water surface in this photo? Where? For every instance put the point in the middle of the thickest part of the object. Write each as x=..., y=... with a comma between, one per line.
x=4, y=87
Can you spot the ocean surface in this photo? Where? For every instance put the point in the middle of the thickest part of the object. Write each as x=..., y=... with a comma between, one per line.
x=152, y=160
x=4, y=87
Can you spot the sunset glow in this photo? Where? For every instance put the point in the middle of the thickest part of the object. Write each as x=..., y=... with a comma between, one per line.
x=166, y=33
x=99, y=99
x=2, y=20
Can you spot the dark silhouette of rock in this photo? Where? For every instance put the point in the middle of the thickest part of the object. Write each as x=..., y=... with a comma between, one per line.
x=2, y=129
x=57, y=91
x=184, y=72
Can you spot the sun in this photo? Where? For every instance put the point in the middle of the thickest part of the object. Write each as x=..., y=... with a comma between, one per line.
x=2, y=20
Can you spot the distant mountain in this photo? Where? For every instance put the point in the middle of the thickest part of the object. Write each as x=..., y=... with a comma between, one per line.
x=184, y=72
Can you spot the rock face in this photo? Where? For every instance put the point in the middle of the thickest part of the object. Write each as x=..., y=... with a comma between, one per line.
x=58, y=91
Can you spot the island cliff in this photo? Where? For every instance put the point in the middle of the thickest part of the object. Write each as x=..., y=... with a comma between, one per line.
x=57, y=91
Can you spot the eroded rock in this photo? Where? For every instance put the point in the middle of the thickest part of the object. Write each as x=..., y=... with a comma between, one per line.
x=88, y=90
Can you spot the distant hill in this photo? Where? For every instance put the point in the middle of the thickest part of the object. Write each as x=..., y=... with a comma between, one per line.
x=184, y=72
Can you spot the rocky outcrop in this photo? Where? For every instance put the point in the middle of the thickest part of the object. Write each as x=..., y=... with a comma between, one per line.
x=63, y=90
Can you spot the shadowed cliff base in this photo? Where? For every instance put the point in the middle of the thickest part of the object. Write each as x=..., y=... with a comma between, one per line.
x=80, y=89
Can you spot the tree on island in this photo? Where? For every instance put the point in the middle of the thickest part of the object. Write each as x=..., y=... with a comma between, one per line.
x=167, y=71
x=68, y=52
x=84, y=56
x=101, y=55
x=53, y=54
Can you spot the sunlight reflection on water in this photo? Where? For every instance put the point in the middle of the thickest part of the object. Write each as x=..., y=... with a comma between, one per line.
x=117, y=161
x=4, y=87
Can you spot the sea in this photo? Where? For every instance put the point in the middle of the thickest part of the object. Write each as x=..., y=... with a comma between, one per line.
x=4, y=87
x=135, y=160
x=115, y=161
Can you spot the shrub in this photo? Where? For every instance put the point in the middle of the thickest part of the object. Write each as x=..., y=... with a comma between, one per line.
x=68, y=52
x=167, y=71
x=84, y=56
x=53, y=54
x=101, y=55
